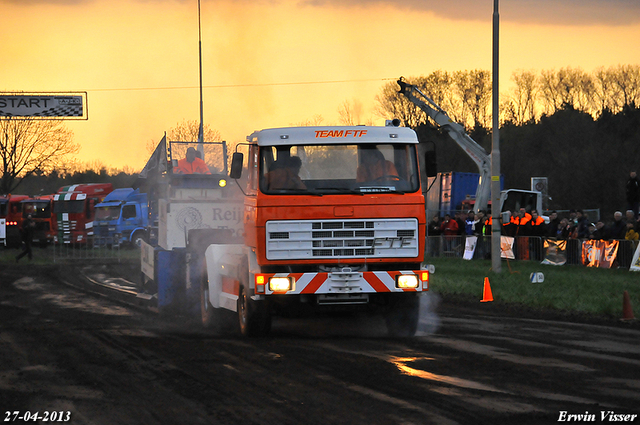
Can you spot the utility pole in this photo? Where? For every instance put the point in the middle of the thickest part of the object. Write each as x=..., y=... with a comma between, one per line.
x=496, y=226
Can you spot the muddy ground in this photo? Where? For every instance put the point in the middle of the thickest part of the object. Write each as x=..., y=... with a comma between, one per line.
x=103, y=362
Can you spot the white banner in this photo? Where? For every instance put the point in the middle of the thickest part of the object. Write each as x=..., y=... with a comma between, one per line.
x=42, y=105
x=470, y=247
x=635, y=263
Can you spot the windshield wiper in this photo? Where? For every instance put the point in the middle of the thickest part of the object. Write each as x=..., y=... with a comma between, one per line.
x=342, y=190
x=296, y=191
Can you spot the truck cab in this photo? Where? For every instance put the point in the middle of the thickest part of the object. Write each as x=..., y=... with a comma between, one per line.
x=74, y=208
x=41, y=210
x=122, y=218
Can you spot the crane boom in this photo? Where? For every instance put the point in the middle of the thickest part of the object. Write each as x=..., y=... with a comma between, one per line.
x=456, y=131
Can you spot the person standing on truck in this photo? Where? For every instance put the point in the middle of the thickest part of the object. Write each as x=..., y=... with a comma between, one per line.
x=191, y=164
x=374, y=166
x=28, y=227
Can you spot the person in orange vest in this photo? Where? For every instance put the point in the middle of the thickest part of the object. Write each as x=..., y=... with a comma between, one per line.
x=375, y=167
x=191, y=164
x=520, y=221
x=536, y=226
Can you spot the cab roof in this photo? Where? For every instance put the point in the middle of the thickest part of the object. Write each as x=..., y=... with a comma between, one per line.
x=332, y=135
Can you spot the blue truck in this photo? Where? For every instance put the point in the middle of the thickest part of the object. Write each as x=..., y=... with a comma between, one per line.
x=122, y=218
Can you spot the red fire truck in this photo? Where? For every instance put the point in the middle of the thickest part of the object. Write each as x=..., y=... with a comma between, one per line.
x=41, y=210
x=11, y=219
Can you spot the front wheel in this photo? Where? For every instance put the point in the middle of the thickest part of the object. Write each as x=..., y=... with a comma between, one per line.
x=402, y=319
x=253, y=317
x=137, y=238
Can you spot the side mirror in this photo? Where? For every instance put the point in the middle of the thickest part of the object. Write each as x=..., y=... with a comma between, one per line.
x=236, y=165
x=430, y=164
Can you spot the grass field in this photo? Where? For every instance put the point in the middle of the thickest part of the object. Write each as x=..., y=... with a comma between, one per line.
x=573, y=289
x=565, y=288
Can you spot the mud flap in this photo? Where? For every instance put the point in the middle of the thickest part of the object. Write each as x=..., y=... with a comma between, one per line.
x=170, y=278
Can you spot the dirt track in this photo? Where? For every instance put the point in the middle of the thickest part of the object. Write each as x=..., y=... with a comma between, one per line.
x=64, y=350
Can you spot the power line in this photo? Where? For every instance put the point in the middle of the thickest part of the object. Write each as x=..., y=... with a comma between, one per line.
x=222, y=86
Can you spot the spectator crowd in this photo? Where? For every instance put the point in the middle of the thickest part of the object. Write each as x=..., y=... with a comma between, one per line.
x=529, y=223
x=575, y=226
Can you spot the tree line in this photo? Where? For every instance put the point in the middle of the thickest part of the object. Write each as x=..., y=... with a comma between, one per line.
x=580, y=130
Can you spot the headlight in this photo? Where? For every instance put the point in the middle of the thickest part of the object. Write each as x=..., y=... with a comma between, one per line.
x=407, y=281
x=280, y=284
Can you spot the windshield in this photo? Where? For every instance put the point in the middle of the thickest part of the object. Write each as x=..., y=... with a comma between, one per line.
x=108, y=213
x=68, y=207
x=331, y=169
x=3, y=209
x=40, y=209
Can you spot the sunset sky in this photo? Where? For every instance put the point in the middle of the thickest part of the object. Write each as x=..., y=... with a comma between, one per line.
x=272, y=63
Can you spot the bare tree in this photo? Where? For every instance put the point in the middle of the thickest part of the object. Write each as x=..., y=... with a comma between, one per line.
x=474, y=91
x=522, y=100
x=627, y=80
x=439, y=87
x=391, y=104
x=187, y=131
x=351, y=113
x=567, y=87
x=464, y=95
x=606, y=92
x=32, y=146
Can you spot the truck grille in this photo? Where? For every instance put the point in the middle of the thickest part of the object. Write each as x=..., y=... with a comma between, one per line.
x=320, y=239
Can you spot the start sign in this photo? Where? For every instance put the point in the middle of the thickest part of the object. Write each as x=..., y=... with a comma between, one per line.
x=43, y=105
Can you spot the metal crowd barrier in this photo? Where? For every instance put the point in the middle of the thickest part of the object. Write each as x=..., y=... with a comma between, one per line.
x=525, y=248
x=89, y=249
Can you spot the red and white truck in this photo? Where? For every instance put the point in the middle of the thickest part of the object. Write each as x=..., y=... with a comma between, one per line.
x=346, y=233
x=74, y=208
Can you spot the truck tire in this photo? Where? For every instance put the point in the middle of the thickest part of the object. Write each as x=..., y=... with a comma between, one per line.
x=402, y=319
x=137, y=238
x=253, y=317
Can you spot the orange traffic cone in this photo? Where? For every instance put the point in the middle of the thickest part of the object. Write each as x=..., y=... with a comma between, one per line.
x=627, y=311
x=486, y=294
